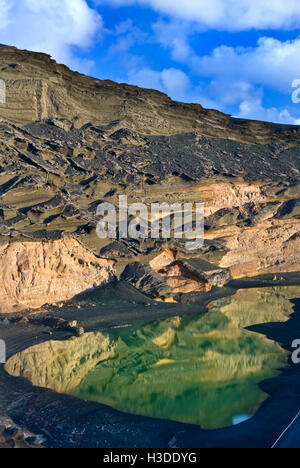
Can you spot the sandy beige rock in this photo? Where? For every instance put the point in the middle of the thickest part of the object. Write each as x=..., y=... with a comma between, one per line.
x=271, y=247
x=164, y=259
x=228, y=195
x=35, y=273
x=182, y=281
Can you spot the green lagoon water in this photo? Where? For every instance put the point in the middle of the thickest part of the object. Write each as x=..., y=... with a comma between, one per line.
x=202, y=369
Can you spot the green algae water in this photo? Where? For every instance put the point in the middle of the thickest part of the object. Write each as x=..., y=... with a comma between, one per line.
x=202, y=369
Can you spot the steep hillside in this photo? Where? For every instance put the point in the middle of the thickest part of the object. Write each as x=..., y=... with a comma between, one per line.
x=68, y=142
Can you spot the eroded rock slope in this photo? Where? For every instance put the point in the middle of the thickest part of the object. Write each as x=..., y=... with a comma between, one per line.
x=69, y=142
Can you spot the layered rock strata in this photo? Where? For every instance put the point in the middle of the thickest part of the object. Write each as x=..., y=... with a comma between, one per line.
x=69, y=142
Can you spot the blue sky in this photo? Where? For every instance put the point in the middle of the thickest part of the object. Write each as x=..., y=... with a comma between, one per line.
x=238, y=56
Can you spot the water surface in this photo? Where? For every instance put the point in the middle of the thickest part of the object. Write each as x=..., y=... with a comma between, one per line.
x=202, y=369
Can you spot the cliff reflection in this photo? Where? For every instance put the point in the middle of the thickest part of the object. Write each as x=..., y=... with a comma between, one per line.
x=202, y=369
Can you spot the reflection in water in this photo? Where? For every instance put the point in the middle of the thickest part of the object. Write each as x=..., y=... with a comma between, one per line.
x=200, y=369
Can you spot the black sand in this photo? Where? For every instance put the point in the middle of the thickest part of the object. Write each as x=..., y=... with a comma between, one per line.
x=65, y=421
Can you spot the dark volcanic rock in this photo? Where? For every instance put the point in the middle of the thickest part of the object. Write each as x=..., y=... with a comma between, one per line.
x=146, y=280
x=206, y=271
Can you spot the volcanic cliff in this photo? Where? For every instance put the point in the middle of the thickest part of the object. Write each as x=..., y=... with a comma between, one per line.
x=69, y=142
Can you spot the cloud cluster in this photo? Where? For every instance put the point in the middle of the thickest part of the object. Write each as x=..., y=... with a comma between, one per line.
x=227, y=15
x=254, y=109
x=232, y=79
x=171, y=81
x=238, y=76
x=126, y=36
x=55, y=27
x=272, y=62
x=217, y=94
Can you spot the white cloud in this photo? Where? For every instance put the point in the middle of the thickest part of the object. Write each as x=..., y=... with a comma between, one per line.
x=216, y=95
x=231, y=15
x=127, y=35
x=174, y=35
x=272, y=63
x=248, y=99
x=253, y=109
x=171, y=81
x=238, y=76
x=4, y=14
x=50, y=26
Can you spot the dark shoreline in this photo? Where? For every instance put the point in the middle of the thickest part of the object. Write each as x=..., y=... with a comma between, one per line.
x=65, y=421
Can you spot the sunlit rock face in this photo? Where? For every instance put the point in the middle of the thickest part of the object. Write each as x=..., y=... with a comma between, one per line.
x=259, y=227
x=270, y=247
x=35, y=273
x=201, y=369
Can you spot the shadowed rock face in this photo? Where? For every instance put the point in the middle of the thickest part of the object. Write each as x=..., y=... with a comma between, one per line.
x=69, y=142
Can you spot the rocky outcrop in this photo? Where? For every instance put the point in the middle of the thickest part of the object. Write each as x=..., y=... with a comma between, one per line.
x=12, y=436
x=205, y=271
x=33, y=274
x=178, y=278
x=38, y=88
x=270, y=247
x=165, y=276
x=69, y=142
x=149, y=282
